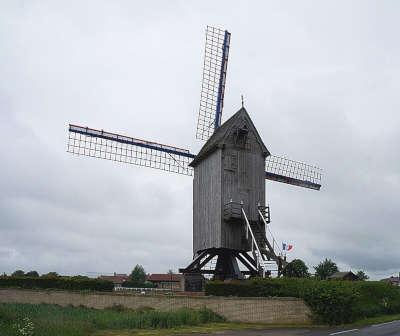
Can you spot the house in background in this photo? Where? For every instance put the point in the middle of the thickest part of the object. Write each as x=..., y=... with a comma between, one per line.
x=395, y=281
x=116, y=279
x=162, y=281
x=350, y=276
x=166, y=281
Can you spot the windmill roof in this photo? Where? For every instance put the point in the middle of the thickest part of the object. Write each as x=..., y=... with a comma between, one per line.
x=218, y=138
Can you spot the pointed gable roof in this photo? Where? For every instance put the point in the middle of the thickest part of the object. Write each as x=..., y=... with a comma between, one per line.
x=217, y=140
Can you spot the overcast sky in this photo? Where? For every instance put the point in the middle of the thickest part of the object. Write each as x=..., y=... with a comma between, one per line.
x=321, y=82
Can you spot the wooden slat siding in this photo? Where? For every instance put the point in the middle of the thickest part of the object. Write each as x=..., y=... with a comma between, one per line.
x=207, y=212
x=217, y=180
x=231, y=232
x=245, y=183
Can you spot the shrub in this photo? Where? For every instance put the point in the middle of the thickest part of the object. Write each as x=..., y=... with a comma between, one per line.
x=296, y=269
x=332, y=302
x=57, y=283
x=51, y=275
x=377, y=298
x=32, y=274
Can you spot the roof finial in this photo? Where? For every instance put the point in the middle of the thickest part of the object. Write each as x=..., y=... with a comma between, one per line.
x=242, y=101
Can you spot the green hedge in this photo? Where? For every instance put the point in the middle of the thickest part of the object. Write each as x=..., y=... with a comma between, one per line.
x=377, y=298
x=57, y=283
x=332, y=302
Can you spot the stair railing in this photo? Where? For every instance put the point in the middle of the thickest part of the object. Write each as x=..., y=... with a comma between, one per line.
x=274, y=242
x=253, y=242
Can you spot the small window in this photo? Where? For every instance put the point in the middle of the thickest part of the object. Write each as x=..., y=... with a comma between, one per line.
x=230, y=161
x=240, y=136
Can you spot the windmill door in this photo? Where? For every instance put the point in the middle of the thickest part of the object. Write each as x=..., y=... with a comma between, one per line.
x=244, y=198
x=243, y=181
x=235, y=178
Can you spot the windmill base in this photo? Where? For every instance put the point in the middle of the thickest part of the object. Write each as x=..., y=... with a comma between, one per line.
x=226, y=267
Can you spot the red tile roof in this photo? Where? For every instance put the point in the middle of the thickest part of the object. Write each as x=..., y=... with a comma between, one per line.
x=164, y=277
x=116, y=279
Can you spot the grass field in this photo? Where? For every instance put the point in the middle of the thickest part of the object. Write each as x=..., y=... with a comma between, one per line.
x=376, y=320
x=49, y=320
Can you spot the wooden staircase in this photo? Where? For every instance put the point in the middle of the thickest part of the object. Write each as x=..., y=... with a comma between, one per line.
x=269, y=248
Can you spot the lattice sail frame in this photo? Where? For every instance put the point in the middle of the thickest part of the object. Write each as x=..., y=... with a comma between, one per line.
x=288, y=171
x=115, y=147
x=213, y=83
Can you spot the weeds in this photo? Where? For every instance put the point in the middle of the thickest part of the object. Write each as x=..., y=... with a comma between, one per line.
x=25, y=327
x=49, y=320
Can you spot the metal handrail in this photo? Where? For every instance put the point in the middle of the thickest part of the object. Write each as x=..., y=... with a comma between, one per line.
x=254, y=240
x=267, y=228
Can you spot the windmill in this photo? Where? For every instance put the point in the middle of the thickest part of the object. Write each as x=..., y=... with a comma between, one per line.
x=230, y=216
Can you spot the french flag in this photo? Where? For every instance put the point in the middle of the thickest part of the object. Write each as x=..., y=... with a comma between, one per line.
x=286, y=247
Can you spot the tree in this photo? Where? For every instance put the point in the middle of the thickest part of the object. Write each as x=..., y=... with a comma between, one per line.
x=50, y=275
x=325, y=268
x=32, y=274
x=170, y=271
x=362, y=276
x=138, y=276
x=18, y=273
x=296, y=269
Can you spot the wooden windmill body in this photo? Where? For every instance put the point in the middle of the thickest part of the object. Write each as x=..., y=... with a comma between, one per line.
x=229, y=179
x=230, y=168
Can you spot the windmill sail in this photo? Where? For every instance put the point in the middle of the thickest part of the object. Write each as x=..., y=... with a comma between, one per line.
x=213, y=84
x=110, y=146
x=292, y=172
